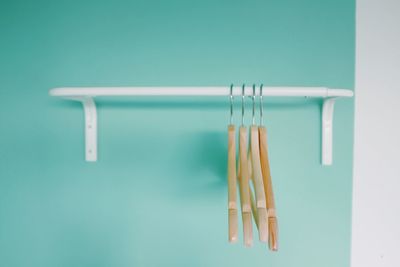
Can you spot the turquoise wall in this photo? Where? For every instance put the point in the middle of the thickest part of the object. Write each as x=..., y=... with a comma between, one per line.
x=158, y=194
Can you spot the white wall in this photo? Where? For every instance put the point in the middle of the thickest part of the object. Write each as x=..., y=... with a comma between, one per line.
x=376, y=189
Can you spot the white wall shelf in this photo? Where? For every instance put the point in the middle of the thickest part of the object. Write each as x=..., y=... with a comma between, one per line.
x=86, y=96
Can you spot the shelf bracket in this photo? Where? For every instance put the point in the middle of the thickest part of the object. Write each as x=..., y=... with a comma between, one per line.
x=90, y=112
x=327, y=130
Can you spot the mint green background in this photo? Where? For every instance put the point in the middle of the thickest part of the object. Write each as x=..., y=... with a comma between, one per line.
x=157, y=196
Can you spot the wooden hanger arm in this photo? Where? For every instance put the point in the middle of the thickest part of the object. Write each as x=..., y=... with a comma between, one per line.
x=232, y=181
x=258, y=185
x=266, y=173
x=244, y=188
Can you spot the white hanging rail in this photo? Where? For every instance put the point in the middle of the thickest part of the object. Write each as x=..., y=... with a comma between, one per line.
x=197, y=91
x=86, y=96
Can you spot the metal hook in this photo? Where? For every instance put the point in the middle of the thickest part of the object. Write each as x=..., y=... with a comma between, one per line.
x=231, y=100
x=243, y=88
x=261, y=104
x=254, y=104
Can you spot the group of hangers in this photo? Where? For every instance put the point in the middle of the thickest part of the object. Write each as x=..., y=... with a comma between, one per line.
x=253, y=166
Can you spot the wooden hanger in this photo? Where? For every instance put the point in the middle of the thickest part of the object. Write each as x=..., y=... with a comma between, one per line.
x=232, y=180
x=245, y=188
x=263, y=235
x=272, y=220
x=266, y=173
x=257, y=179
x=243, y=176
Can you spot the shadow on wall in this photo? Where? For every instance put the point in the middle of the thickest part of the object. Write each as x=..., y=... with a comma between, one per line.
x=201, y=103
x=205, y=155
x=194, y=160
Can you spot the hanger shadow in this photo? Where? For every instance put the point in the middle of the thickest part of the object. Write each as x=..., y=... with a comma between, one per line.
x=205, y=163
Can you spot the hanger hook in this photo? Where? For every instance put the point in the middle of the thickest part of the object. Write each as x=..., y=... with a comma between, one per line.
x=231, y=100
x=254, y=104
x=261, y=104
x=243, y=88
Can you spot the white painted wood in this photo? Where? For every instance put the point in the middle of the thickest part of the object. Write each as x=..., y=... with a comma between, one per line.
x=327, y=130
x=86, y=95
x=89, y=107
x=197, y=91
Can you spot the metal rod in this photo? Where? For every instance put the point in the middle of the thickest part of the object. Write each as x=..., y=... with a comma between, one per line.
x=243, y=95
x=261, y=105
x=253, y=120
x=231, y=101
